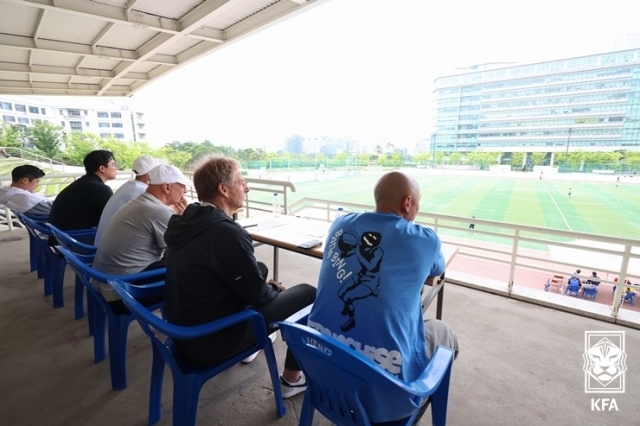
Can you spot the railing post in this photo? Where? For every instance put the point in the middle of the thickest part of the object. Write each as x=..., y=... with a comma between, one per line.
x=514, y=255
x=617, y=297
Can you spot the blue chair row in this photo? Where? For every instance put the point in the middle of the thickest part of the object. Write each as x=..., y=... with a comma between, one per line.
x=100, y=312
x=188, y=379
x=49, y=264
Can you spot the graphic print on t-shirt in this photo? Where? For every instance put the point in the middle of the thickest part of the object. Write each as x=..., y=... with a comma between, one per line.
x=366, y=283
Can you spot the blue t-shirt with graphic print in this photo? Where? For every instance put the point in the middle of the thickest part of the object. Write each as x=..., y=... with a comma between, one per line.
x=373, y=270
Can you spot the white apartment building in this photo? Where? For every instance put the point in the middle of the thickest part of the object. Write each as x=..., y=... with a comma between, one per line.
x=106, y=117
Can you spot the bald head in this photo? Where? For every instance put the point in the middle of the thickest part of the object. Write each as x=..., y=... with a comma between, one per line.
x=397, y=193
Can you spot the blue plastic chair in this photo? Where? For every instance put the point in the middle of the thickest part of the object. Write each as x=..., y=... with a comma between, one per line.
x=337, y=376
x=70, y=243
x=628, y=297
x=573, y=287
x=188, y=379
x=54, y=265
x=118, y=325
x=590, y=292
x=36, y=261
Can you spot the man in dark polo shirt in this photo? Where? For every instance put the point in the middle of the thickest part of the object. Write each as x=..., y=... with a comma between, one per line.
x=80, y=204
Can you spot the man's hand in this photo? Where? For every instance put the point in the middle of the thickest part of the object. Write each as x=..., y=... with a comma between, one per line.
x=277, y=285
x=181, y=206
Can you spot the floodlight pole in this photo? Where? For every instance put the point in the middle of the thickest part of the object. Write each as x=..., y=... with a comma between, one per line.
x=568, y=139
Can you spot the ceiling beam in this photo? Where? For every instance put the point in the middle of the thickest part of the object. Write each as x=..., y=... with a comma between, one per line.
x=191, y=21
x=12, y=67
x=39, y=23
x=49, y=86
x=104, y=12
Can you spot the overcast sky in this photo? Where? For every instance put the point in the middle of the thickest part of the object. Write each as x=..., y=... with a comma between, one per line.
x=364, y=68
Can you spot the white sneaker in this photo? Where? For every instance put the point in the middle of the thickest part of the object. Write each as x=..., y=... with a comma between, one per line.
x=291, y=389
x=253, y=356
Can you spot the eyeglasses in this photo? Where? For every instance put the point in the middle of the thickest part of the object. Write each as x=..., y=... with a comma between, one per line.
x=114, y=164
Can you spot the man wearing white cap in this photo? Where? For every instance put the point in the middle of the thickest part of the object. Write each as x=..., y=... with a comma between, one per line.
x=133, y=240
x=127, y=192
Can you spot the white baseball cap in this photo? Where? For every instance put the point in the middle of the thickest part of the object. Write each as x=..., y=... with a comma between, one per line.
x=164, y=173
x=143, y=164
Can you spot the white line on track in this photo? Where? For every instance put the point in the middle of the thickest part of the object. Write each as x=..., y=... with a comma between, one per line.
x=556, y=204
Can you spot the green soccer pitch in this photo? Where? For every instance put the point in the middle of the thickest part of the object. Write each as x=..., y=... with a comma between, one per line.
x=594, y=207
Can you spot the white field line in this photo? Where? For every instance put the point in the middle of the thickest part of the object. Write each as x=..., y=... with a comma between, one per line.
x=556, y=204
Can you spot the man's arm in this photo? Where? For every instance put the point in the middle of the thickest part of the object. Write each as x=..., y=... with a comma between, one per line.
x=43, y=208
x=240, y=267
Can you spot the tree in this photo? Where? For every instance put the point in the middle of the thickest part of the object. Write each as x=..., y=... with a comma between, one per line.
x=454, y=158
x=9, y=137
x=78, y=145
x=125, y=152
x=538, y=158
x=47, y=137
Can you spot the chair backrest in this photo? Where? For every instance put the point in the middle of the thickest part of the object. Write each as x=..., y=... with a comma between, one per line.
x=590, y=291
x=151, y=323
x=70, y=243
x=339, y=378
x=33, y=226
x=80, y=263
x=574, y=284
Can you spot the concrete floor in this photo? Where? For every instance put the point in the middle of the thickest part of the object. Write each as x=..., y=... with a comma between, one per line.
x=520, y=364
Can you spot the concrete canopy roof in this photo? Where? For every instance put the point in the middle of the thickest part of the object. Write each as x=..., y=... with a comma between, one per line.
x=115, y=47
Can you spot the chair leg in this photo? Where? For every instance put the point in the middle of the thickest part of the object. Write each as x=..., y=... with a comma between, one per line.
x=99, y=322
x=440, y=400
x=186, y=390
x=91, y=312
x=155, y=393
x=33, y=254
x=48, y=288
x=118, y=349
x=41, y=261
x=78, y=300
x=57, y=281
x=307, y=411
x=275, y=378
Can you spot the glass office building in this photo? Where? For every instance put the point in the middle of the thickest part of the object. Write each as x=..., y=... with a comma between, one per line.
x=587, y=103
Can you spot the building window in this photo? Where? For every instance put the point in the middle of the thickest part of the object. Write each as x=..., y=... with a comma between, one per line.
x=86, y=113
x=105, y=135
x=116, y=125
x=23, y=120
x=9, y=118
x=43, y=111
x=76, y=125
x=62, y=123
x=103, y=125
x=21, y=108
x=36, y=121
x=118, y=135
x=102, y=114
x=34, y=110
x=86, y=124
x=74, y=112
x=116, y=115
x=6, y=105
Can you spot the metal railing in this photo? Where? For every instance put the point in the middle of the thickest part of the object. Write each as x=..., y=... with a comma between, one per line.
x=27, y=155
x=516, y=246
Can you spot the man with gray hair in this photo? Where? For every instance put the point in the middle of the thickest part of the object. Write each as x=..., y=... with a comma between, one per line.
x=133, y=240
x=212, y=273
